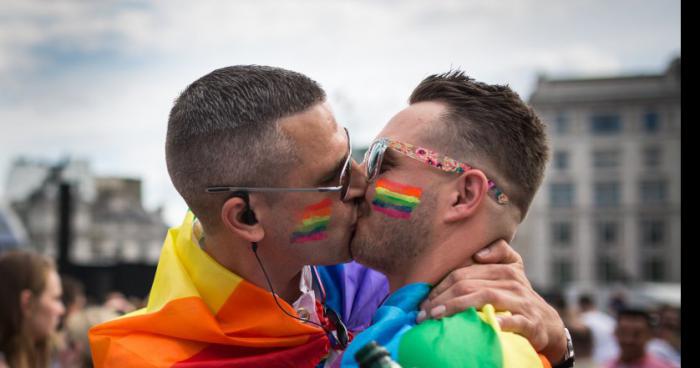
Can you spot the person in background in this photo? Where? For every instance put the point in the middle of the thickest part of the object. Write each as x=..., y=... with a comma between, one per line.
x=633, y=332
x=31, y=308
x=118, y=302
x=582, y=338
x=602, y=326
x=76, y=332
x=70, y=351
x=74, y=298
x=617, y=302
x=667, y=341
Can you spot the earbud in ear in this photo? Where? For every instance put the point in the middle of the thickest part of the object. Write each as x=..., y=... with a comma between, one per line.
x=248, y=217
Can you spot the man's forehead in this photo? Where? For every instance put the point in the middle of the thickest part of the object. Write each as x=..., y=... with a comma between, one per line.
x=320, y=141
x=314, y=126
x=414, y=123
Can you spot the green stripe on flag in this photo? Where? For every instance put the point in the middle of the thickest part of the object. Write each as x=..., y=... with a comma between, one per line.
x=462, y=340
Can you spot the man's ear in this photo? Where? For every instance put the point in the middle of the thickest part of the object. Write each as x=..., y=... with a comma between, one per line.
x=466, y=196
x=234, y=219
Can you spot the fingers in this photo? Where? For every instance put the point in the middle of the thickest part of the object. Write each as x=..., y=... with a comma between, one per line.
x=503, y=295
x=498, y=252
x=525, y=327
x=493, y=272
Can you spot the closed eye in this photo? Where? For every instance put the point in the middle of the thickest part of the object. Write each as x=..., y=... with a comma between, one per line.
x=332, y=176
x=388, y=162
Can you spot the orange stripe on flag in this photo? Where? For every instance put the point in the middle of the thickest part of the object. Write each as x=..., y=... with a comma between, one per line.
x=278, y=329
x=399, y=188
x=132, y=341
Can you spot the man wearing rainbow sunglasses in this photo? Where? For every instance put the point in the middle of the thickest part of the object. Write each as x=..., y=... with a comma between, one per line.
x=427, y=213
x=260, y=160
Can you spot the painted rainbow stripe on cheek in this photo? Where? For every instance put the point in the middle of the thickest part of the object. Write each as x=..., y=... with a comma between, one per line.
x=314, y=222
x=395, y=200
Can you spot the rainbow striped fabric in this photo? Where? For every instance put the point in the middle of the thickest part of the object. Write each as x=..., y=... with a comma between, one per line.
x=199, y=314
x=314, y=222
x=467, y=339
x=394, y=199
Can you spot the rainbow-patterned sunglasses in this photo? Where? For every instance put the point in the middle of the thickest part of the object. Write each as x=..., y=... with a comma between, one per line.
x=375, y=154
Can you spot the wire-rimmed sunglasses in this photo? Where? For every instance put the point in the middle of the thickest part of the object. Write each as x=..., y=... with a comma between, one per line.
x=375, y=154
x=342, y=186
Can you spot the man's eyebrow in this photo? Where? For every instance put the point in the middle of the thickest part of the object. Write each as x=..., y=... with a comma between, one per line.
x=333, y=172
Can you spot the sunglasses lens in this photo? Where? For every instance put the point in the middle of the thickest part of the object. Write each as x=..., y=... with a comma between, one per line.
x=372, y=159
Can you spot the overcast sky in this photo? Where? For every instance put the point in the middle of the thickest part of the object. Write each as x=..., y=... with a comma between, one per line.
x=96, y=80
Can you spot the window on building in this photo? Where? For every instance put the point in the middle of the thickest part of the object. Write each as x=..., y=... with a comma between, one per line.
x=562, y=271
x=561, y=195
x=652, y=191
x=606, y=269
x=607, y=233
x=653, y=232
x=562, y=234
x=652, y=156
x=561, y=123
x=606, y=124
x=604, y=159
x=607, y=194
x=650, y=121
x=561, y=160
x=654, y=269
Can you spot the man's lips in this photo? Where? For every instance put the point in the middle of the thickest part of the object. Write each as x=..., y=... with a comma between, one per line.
x=362, y=209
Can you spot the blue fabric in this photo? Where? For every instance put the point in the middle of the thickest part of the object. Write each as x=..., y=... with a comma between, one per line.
x=396, y=316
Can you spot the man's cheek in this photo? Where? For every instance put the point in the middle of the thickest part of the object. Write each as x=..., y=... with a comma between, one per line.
x=313, y=223
x=395, y=200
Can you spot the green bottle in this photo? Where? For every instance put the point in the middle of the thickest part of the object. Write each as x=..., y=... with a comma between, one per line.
x=374, y=355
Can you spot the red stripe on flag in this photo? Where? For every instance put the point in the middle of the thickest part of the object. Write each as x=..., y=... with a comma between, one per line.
x=306, y=355
x=399, y=188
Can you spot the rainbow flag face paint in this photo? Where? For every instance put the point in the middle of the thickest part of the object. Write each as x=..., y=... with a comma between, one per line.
x=314, y=222
x=395, y=200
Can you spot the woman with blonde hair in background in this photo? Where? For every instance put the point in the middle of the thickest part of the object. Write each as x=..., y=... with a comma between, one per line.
x=30, y=290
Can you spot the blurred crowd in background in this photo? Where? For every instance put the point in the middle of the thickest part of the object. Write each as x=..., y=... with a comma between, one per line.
x=44, y=317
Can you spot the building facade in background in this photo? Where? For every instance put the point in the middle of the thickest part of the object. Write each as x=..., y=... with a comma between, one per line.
x=608, y=211
x=108, y=222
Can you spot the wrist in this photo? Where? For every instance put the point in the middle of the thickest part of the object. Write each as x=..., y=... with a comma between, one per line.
x=556, y=352
x=566, y=360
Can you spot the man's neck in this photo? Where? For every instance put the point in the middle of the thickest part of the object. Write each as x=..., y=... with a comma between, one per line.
x=432, y=265
x=241, y=260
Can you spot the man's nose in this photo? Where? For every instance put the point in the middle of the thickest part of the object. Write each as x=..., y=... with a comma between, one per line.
x=358, y=182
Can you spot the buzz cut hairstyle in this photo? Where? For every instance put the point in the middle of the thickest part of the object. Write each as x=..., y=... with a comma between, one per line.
x=490, y=127
x=222, y=130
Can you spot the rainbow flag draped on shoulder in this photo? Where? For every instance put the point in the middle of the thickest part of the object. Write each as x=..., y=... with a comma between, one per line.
x=200, y=314
x=467, y=339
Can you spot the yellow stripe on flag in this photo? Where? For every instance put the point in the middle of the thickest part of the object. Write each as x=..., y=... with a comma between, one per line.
x=517, y=351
